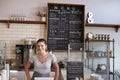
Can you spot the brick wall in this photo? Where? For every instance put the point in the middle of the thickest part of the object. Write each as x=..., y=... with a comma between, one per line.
x=17, y=33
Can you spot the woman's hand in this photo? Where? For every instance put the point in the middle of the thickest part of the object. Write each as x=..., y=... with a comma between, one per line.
x=27, y=66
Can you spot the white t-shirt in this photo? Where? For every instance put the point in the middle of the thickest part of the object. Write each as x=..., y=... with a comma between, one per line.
x=43, y=67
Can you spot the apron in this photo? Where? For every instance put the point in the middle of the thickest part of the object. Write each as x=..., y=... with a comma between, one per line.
x=36, y=74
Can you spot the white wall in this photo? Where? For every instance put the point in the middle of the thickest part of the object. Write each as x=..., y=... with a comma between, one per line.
x=105, y=11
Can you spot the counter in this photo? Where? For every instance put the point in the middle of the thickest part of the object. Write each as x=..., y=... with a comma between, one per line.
x=20, y=75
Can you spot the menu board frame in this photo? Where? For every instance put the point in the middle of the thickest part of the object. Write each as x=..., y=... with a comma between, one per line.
x=66, y=25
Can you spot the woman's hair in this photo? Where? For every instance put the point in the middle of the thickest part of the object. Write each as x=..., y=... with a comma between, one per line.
x=42, y=40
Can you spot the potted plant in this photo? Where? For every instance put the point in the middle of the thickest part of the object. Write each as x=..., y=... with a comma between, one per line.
x=42, y=16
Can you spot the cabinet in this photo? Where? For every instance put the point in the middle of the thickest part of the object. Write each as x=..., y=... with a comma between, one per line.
x=100, y=57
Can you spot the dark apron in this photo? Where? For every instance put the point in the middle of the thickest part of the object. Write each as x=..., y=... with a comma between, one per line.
x=36, y=74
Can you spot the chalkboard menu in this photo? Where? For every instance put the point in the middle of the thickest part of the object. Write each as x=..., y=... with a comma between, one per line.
x=65, y=26
x=75, y=70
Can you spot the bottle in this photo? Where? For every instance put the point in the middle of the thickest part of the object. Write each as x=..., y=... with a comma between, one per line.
x=98, y=36
x=108, y=37
x=102, y=37
x=12, y=17
x=98, y=69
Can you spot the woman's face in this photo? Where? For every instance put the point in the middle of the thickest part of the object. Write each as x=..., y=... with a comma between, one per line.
x=41, y=46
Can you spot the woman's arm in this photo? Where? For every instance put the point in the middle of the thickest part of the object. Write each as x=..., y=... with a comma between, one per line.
x=27, y=66
x=56, y=67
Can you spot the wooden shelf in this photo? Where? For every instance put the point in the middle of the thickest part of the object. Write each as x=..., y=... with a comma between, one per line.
x=103, y=25
x=21, y=22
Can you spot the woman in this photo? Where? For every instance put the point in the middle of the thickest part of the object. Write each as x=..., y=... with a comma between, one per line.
x=42, y=62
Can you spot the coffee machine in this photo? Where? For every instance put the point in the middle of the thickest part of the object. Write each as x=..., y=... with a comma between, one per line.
x=24, y=52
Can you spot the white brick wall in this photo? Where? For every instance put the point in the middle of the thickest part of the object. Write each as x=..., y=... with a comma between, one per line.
x=17, y=33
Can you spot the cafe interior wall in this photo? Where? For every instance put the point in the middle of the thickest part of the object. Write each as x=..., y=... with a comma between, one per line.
x=104, y=12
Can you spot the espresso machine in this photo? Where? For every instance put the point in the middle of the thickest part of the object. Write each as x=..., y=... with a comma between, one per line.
x=24, y=52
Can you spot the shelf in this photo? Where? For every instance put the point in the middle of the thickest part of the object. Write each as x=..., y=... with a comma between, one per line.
x=97, y=56
x=100, y=73
x=23, y=22
x=100, y=54
x=100, y=57
x=99, y=40
x=103, y=25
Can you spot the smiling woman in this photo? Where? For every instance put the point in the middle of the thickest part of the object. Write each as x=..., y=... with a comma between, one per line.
x=42, y=61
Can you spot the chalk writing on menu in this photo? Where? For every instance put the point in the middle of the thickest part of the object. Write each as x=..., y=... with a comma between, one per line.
x=65, y=26
x=75, y=70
